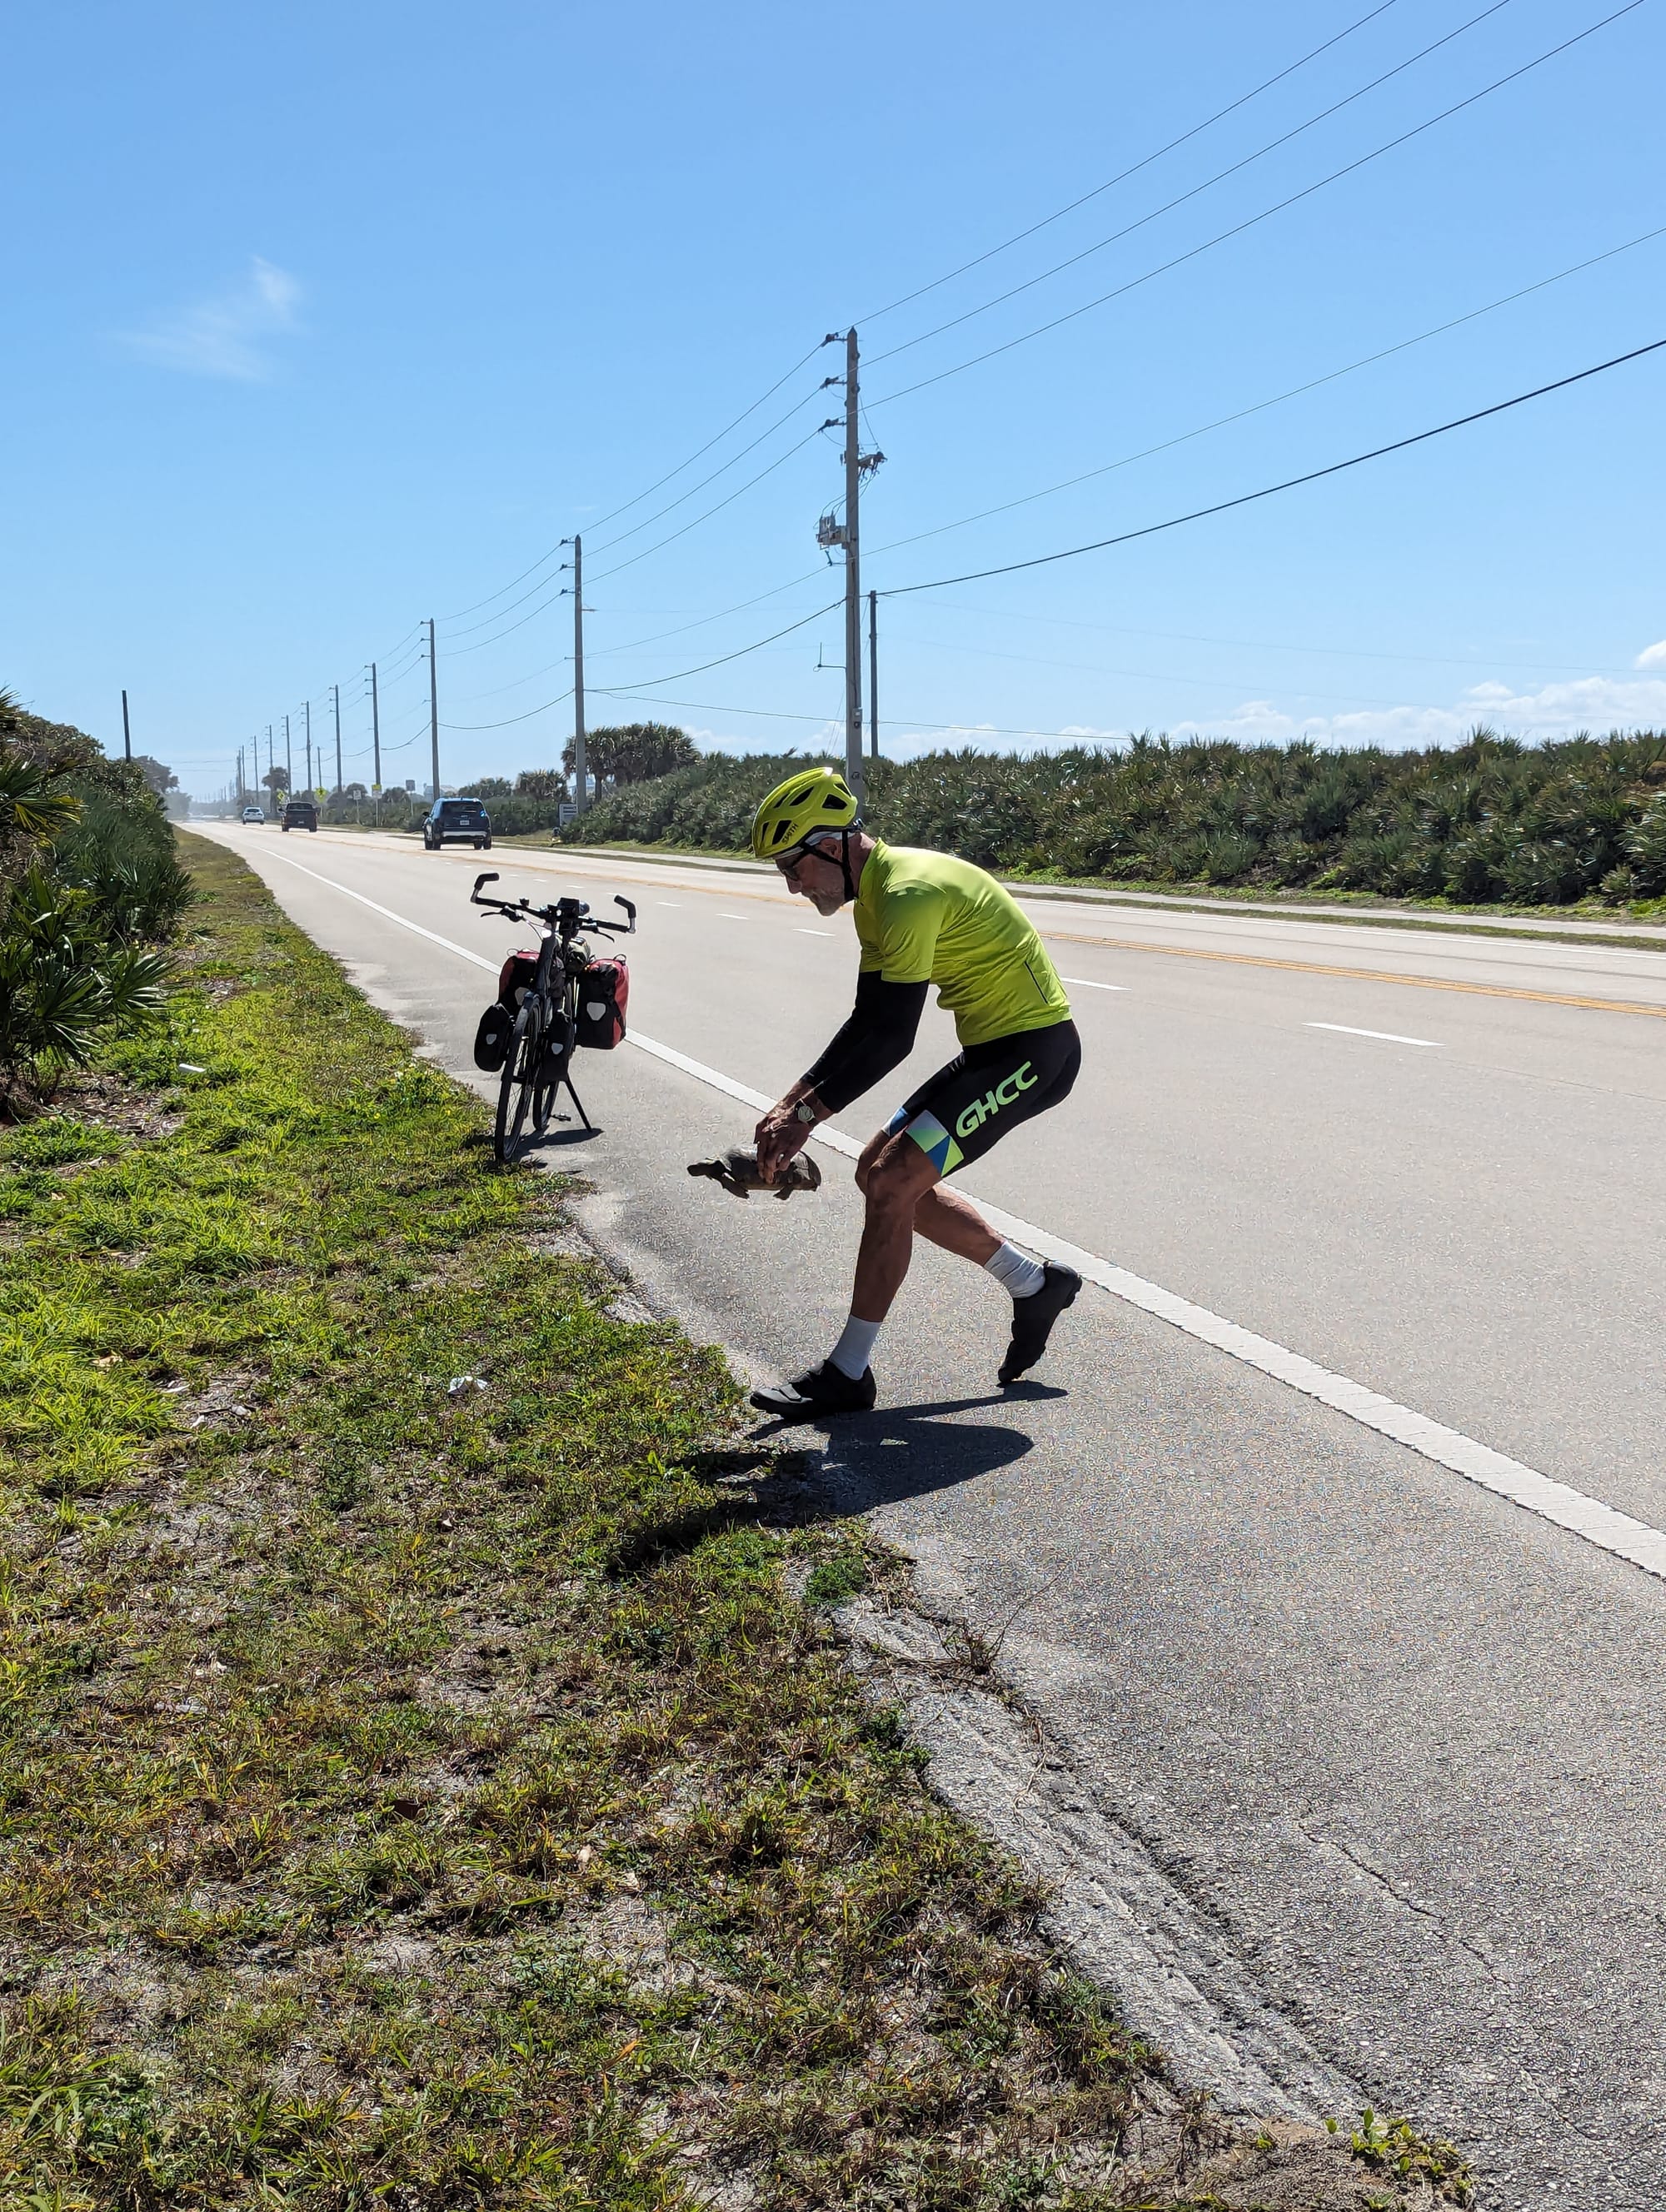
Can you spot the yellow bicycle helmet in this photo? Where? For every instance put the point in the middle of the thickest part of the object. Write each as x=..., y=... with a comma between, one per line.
x=815, y=798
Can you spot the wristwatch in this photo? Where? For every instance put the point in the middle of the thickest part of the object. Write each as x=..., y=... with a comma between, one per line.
x=805, y=1112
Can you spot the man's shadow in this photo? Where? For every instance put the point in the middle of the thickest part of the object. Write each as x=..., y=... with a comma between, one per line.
x=864, y=1460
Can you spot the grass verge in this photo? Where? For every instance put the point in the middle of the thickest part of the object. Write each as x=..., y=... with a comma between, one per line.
x=420, y=1786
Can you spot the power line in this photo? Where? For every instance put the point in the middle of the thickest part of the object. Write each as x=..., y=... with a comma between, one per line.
x=699, y=452
x=1123, y=175
x=1295, y=392
x=510, y=719
x=650, y=520
x=1239, y=684
x=1570, y=667
x=723, y=659
x=632, y=644
x=480, y=644
x=648, y=551
x=705, y=621
x=1250, y=222
x=531, y=614
x=1245, y=499
x=497, y=691
x=1180, y=200
x=723, y=469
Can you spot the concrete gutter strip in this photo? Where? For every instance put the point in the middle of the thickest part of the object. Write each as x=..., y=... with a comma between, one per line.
x=1118, y=1914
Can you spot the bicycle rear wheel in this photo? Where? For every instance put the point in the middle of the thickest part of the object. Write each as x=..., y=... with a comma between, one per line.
x=514, y=1092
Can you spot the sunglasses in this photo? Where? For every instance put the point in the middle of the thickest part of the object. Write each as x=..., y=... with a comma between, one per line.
x=790, y=863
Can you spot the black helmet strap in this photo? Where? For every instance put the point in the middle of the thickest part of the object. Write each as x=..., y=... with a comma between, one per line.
x=844, y=853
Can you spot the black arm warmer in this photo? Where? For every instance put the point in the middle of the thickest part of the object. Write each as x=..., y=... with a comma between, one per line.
x=878, y=1036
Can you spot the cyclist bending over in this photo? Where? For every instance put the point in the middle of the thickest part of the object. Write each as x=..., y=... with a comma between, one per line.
x=922, y=918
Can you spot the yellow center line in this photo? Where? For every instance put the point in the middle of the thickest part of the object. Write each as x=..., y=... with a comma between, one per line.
x=1363, y=974
x=1243, y=959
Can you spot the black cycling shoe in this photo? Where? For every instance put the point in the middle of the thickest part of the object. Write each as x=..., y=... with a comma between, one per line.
x=826, y=1389
x=1033, y=1318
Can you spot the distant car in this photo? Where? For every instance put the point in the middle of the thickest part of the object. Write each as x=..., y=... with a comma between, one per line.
x=457, y=822
x=299, y=814
x=253, y=814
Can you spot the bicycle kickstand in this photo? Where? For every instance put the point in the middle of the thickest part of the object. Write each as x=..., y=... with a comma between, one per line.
x=579, y=1103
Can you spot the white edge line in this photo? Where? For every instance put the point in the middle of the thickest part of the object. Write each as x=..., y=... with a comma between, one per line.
x=1478, y=1463
x=1558, y=1502
x=1383, y=1037
x=1086, y=983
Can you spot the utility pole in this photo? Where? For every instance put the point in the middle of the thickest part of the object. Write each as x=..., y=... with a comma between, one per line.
x=375, y=733
x=126, y=734
x=580, y=766
x=335, y=690
x=288, y=760
x=307, y=706
x=852, y=581
x=874, y=675
x=432, y=707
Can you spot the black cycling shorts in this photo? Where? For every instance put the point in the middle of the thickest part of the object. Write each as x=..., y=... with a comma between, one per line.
x=989, y=1089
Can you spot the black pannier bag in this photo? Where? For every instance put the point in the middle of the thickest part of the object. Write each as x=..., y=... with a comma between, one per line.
x=493, y=1037
x=604, y=993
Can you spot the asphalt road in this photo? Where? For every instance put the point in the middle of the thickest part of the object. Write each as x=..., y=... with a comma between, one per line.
x=1398, y=1741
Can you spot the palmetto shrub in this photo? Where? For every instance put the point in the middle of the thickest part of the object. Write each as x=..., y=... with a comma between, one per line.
x=88, y=885
x=1489, y=820
x=1645, y=849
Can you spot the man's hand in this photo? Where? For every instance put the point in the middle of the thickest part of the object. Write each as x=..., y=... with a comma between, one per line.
x=779, y=1135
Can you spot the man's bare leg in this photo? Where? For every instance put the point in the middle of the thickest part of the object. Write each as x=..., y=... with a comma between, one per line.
x=896, y=1178
x=944, y=1217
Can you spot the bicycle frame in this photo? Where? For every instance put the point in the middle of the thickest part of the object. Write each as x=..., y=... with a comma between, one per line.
x=534, y=1071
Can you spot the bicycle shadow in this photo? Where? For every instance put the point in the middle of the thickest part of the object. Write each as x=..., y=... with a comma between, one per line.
x=555, y=1140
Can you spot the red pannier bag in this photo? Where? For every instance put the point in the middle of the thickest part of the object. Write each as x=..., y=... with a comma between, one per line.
x=519, y=973
x=604, y=993
x=497, y=1031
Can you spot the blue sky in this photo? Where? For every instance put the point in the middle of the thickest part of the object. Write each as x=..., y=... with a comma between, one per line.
x=322, y=321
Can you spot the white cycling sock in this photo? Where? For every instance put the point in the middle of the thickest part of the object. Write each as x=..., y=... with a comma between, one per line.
x=850, y=1354
x=1022, y=1275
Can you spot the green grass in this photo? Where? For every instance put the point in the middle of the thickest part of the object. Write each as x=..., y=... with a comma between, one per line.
x=429, y=1801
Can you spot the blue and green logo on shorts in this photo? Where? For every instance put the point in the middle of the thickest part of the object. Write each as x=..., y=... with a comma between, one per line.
x=935, y=1140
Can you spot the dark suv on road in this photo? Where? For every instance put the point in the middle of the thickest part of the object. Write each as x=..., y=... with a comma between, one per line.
x=299, y=814
x=457, y=822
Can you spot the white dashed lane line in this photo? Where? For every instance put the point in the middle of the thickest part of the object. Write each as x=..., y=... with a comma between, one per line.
x=1383, y=1037
x=1088, y=983
x=802, y=932
x=1602, y=1525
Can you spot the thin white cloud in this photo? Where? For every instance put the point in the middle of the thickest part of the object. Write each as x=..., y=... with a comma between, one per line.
x=1597, y=703
x=229, y=334
x=1652, y=656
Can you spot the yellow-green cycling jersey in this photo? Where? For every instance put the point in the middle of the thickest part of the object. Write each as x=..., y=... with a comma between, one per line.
x=926, y=917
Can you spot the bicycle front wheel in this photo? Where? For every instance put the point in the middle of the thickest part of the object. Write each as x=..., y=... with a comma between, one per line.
x=514, y=1092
